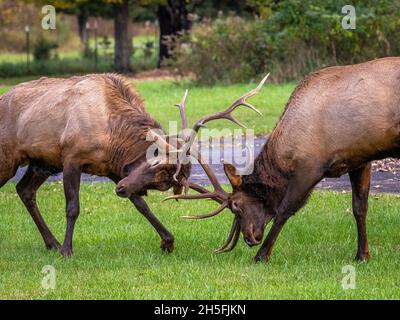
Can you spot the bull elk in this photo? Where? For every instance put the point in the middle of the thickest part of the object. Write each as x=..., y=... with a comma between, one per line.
x=336, y=121
x=94, y=124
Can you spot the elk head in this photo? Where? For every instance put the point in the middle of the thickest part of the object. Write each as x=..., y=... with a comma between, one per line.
x=250, y=214
x=159, y=168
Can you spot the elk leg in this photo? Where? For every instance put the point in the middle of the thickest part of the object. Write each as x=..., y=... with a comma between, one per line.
x=72, y=179
x=26, y=189
x=297, y=193
x=167, y=239
x=360, y=184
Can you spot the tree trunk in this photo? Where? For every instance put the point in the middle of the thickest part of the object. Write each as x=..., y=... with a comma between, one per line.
x=83, y=17
x=172, y=19
x=123, y=41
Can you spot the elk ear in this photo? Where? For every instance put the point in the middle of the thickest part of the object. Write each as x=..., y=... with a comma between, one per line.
x=230, y=172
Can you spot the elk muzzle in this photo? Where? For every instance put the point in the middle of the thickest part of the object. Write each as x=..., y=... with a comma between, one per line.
x=251, y=236
x=121, y=191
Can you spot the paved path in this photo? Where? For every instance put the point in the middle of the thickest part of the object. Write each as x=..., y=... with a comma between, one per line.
x=381, y=181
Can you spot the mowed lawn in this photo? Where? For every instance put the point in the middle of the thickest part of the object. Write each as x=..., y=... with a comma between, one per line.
x=117, y=252
x=161, y=96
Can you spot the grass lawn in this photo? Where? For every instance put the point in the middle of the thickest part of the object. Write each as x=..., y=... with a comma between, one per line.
x=160, y=97
x=117, y=254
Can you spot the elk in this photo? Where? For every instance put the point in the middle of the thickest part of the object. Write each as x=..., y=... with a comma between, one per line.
x=94, y=124
x=336, y=121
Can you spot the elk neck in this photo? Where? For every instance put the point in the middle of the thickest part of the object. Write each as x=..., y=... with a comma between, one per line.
x=128, y=139
x=268, y=181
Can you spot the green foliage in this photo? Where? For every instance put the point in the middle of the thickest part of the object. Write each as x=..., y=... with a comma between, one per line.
x=289, y=38
x=42, y=49
x=228, y=50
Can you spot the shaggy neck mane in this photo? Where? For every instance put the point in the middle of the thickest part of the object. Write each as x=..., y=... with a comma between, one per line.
x=267, y=182
x=129, y=123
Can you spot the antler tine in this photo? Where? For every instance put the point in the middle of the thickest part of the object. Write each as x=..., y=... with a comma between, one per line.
x=209, y=215
x=182, y=109
x=201, y=189
x=207, y=195
x=257, y=89
x=232, y=240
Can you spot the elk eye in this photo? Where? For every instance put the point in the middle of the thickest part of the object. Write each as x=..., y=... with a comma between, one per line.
x=235, y=207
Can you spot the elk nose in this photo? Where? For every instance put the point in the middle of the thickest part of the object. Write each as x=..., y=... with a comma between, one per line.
x=252, y=242
x=120, y=191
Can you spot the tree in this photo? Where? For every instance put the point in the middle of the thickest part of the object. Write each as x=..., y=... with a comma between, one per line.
x=123, y=41
x=173, y=17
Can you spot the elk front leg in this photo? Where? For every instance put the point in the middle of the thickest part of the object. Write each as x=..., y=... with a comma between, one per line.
x=71, y=180
x=26, y=189
x=297, y=193
x=360, y=184
x=167, y=239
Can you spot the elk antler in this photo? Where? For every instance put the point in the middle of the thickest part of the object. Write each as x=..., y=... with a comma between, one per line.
x=182, y=109
x=226, y=114
x=219, y=193
x=161, y=140
x=232, y=238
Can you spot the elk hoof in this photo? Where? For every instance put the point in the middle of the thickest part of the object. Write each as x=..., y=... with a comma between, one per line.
x=52, y=245
x=361, y=257
x=66, y=252
x=167, y=245
x=260, y=258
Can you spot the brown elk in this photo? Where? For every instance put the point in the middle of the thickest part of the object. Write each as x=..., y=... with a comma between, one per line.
x=336, y=121
x=93, y=124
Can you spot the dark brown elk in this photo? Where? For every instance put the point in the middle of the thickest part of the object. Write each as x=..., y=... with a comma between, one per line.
x=93, y=124
x=336, y=121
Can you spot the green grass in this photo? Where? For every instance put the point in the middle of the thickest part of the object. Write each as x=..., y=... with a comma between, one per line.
x=160, y=97
x=3, y=89
x=117, y=254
